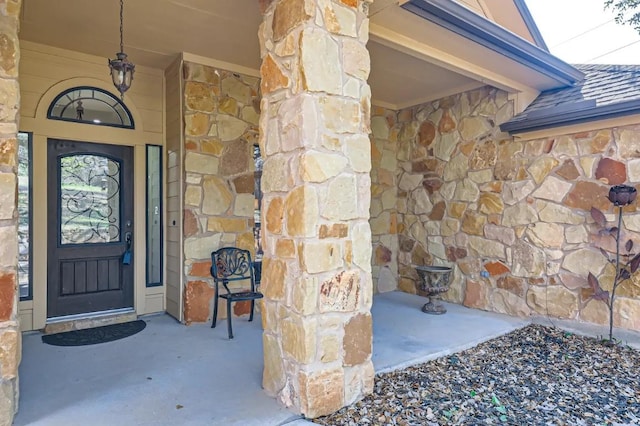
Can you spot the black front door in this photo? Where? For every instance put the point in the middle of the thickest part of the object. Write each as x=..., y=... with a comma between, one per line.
x=90, y=227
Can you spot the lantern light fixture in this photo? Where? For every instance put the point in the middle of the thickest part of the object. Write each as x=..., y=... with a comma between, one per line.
x=121, y=68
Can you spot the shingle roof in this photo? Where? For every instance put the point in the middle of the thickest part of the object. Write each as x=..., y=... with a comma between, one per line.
x=608, y=89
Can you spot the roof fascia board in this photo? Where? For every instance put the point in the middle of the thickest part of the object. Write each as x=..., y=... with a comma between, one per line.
x=521, y=5
x=556, y=119
x=474, y=27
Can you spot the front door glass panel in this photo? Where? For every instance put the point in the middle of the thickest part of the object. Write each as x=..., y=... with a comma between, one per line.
x=89, y=200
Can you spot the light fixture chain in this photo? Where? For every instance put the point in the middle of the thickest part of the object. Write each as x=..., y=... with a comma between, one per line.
x=121, y=25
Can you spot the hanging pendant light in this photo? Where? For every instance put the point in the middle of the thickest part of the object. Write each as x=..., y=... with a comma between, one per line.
x=121, y=69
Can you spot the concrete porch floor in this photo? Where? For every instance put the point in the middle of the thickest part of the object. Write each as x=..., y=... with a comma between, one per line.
x=170, y=374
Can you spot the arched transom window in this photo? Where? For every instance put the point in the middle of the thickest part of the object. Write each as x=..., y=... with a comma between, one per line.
x=90, y=105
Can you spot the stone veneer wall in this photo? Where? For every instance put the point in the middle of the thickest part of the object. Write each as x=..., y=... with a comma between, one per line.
x=221, y=113
x=10, y=351
x=511, y=216
x=384, y=194
x=317, y=240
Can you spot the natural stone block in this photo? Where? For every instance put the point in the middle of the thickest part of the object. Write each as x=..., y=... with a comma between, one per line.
x=341, y=292
x=520, y=214
x=357, y=341
x=276, y=175
x=319, y=167
x=473, y=223
x=200, y=269
x=556, y=213
x=9, y=99
x=556, y=301
x=243, y=205
x=514, y=192
x=340, y=115
x=193, y=195
x=305, y=295
x=541, y=168
x=550, y=235
x=320, y=62
x=196, y=124
x=361, y=237
x=273, y=78
x=8, y=284
x=199, y=97
x=217, y=196
x=505, y=302
x=321, y=392
x=230, y=128
x=505, y=235
x=496, y=268
x=456, y=210
x=285, y=248
x=244, y=184
x=7, y=195
x=585, y=195
x=273, y=377
x=190, y=225
x=235, y=159
x=486, y=248
x=288, y=15
x=330, y=348
x=358, y=150
x=8, y=247
x=528, y=261
x=515, y=285
x=228, y=106
x=197, y=299
x=583, y=261
x=274, y=215
x=466, y=190
x=627, y=313
x=553, y=189
x=301, y=207
x=274, y=274
x=483, y=155
x=490, y=203
x=201, y=163
x=321, y=256
x=299, y=338
x=340, y=203
x=8, y=150
x=611, y=172
x=475, y=295
x=595, y=311
x=201, y=247
x=568, y=170
x=473, y=128
x=10, y=353
x=202, y=73
x=456, y=168
x=355, y=58
x=336, y=230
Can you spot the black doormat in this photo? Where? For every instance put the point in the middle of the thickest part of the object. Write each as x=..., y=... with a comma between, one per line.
x=91, y=336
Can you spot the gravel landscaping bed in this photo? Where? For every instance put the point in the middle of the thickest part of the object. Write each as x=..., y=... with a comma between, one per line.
x=533, y=376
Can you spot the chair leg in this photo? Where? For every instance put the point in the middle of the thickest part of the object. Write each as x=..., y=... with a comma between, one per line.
x=253, y=305
x=229, y=315
x=215, y=311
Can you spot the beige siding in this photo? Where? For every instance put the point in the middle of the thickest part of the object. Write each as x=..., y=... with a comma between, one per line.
x=173, y=279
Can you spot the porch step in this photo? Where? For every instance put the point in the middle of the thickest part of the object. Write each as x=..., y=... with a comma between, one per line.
x=92, y=322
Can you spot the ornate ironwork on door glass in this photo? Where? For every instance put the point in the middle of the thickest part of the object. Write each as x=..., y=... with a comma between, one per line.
x=89, y=199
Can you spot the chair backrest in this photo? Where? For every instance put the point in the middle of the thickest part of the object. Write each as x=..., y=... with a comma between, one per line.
x=232, y=264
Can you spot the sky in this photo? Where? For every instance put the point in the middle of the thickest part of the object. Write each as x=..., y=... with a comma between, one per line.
x=583, y=32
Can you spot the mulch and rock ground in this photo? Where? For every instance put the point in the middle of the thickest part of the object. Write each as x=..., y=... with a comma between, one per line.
x=533, y=376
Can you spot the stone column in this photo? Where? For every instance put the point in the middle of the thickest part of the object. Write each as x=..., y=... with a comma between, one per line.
x=9, y=106
x=314, y=127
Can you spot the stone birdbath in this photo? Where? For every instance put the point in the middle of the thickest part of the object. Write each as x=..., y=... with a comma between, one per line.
x=434, y=280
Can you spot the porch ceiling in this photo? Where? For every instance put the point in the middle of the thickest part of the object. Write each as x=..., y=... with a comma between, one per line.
x=226, y=30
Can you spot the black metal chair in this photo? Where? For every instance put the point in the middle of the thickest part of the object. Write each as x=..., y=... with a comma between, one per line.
x=233, y=264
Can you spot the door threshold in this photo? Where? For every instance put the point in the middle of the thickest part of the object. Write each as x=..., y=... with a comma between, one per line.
x=89, y=320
